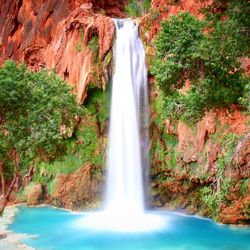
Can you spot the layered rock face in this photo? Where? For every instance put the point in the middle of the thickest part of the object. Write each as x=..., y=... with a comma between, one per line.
x=54, y=34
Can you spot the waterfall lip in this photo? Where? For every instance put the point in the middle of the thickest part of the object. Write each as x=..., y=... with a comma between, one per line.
x=119, y=22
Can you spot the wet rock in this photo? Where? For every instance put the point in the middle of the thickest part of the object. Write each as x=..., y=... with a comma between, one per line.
x=212, y=154
x=234, y=120
x=192, y=141
x=163, y=9
x=198, y=151
x=175, y=7
x=106, y=30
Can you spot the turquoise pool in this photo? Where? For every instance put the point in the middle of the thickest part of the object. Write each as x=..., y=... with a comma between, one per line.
x=56, y=229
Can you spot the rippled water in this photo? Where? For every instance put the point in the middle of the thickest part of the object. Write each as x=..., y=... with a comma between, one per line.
x=62, y=230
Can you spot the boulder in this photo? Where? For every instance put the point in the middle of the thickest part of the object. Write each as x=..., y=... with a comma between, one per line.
x=35, y=195
x=3, y=235
x=78, y=190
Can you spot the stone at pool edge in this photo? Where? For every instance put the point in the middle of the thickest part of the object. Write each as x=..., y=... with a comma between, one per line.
x=36, y=195
x=3, y=236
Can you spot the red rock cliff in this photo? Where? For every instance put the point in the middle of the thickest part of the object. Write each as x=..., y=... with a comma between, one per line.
x=54, y=34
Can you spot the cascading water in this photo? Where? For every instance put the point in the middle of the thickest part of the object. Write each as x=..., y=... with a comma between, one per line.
x=124, y=188
x=128, y=139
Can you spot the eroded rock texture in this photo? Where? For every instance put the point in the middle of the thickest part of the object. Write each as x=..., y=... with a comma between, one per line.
x=78, y=190
x=164, y=9
x=36, y=195
x=54, y=34
x=188, y=159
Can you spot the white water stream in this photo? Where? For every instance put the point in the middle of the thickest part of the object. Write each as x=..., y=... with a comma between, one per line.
x=127, y=160
x=124, y=183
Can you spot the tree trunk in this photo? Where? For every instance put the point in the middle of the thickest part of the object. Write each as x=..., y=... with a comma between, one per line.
x=16, y=160
x=27, y=178
x=6, y=197
x=2, y=178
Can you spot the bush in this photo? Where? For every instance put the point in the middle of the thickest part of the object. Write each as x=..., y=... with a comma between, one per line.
x=38, y=112
x=214, y=195
x=245, y=99
x=93, y=44
x=135, y=8
x=209, y=60
x=85, y=146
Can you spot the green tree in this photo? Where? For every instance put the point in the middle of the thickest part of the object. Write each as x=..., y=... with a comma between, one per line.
x=137, y=8
x=206, y=53
x=38, y=111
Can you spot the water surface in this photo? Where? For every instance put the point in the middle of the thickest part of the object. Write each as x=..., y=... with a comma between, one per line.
x=55, y=229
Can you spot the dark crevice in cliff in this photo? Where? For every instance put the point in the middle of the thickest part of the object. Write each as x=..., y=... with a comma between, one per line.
x=19, y=5
x=15, y=27
x=66, y=74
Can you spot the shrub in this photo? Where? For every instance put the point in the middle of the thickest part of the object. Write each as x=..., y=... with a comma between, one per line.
x=209, y=60
x=215, y=194
x=85, y=146
x=38, y=112
x=93, y=44
x=135, y=8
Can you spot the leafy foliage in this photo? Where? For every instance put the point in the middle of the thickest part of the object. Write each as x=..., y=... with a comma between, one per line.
x=85, y=146
x=212, y=198
x=245, y=99
x=135, y=8
x=229, y=144
x=162, y=152
x=93, y=44
x=78, y=47
x=215, y=194
x=38, y=111
x=98, y=104
x=236, y=10
x=204, y=53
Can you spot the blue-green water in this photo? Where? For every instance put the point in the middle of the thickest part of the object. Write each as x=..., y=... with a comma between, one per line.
x=59, y=230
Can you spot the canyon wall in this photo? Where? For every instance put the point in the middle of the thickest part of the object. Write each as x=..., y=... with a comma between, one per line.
x=75, y=38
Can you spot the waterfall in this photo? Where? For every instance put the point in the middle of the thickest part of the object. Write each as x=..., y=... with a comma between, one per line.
x=128, y=140
x=127, y=160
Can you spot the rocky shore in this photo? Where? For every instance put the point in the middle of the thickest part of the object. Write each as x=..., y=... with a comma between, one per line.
x=8, y=239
